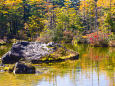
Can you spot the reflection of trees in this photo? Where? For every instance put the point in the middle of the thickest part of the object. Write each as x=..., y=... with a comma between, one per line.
x=88, y=65
x=99, y=59
x=62, y=69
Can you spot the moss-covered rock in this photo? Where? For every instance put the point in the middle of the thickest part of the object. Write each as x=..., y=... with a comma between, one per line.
x=38, y=52
x=61, y=54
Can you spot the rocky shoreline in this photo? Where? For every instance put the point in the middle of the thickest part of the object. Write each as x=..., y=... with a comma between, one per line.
x=34, y=53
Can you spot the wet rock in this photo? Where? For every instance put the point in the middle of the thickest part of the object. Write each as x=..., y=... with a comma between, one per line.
x=21, y=68
x=34, y=51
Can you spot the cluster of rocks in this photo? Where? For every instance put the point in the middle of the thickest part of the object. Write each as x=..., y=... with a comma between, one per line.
x=31, y=52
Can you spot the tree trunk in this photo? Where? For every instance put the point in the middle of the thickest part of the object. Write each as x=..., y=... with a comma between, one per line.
x=96, y=25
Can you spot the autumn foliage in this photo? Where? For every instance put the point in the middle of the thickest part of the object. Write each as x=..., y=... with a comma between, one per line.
x=98, y=38
x=57, y=20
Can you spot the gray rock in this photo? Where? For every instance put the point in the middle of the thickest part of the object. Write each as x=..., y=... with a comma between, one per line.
x=28, y=51
x=34, y=52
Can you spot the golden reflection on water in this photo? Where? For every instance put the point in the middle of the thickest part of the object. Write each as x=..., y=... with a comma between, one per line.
x=95, y=67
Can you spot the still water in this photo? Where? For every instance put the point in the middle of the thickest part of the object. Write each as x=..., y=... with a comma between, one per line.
x=95, y=67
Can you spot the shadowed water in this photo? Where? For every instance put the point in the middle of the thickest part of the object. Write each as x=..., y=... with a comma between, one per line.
x=95, y=67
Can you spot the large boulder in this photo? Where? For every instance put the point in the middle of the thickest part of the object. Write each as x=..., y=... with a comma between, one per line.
x=36, y=51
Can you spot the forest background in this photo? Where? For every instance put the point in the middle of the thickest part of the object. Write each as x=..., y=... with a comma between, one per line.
x=63, y=21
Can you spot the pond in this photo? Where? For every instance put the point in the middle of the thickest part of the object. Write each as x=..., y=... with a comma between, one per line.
x=95, y=67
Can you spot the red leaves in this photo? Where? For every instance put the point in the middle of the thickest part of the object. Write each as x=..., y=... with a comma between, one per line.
x=96, y=37
x=91, y=38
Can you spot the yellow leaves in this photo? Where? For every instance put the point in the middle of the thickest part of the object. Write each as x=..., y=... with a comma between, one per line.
x=6, y=68
x=85, y=55
x=35, y=1
x=106, y=3
x=26, y=26
x=2, y=2
x=67, y=0
x=85, y=4
x=45, y=21
x=4, y=12
x=12, y=3
x=75, y=42
x=84, y=36
x=50, y=6
x=9, y=2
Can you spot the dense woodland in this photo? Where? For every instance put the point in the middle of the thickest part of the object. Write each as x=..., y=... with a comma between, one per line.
x=56, y=20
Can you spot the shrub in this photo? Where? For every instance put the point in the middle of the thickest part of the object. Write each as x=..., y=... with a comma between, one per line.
x=98, y=38
x=68, y=36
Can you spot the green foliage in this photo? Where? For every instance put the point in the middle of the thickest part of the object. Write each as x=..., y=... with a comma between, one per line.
x=109, y=22
x=27, y=19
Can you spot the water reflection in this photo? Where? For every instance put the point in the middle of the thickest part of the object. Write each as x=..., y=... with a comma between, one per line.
x=94, y=68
